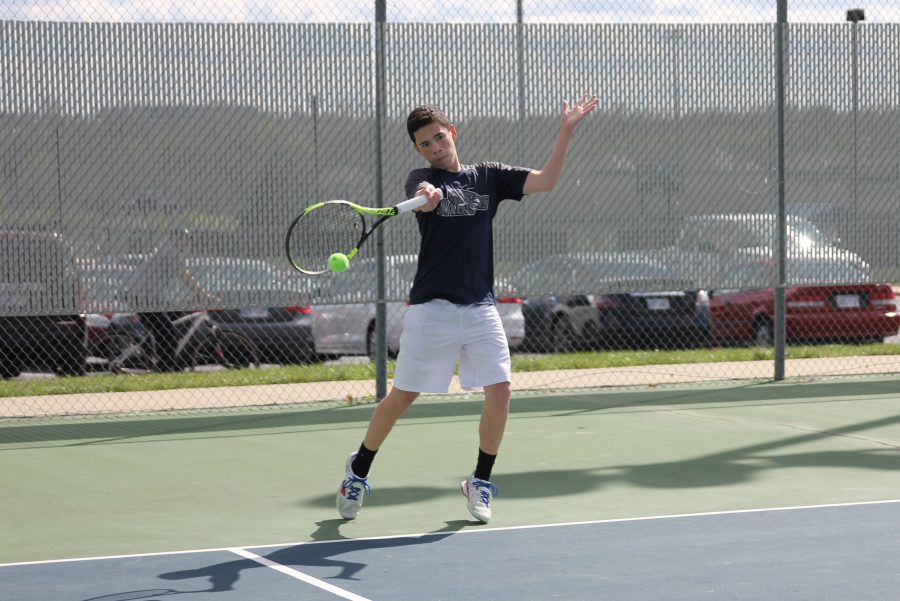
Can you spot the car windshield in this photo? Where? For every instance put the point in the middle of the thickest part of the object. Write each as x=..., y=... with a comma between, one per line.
x=31, y=260
x=621, y=271
x=750, y=230
x=245, y=282
x=583, y=273
x=804, y=234
x=804, y=272
x=237, y=275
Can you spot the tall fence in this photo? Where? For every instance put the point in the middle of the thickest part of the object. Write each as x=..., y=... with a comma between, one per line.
x=452, y=11
x=120, y=128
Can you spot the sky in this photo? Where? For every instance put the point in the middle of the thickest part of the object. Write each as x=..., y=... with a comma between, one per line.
x=503, y=11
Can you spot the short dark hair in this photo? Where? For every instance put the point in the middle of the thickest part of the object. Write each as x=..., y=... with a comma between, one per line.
x=422, y=116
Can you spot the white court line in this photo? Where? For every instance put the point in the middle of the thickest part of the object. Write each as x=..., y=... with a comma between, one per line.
x=473, y=531
x=345, y=594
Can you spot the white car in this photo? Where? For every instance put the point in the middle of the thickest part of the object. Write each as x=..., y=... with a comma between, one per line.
x=347, y=325
x=509, y=306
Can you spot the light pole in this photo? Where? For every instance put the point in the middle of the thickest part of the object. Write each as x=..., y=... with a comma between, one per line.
x=314, y=102
x=854, y=16
x=673, y=177
x=520, y=70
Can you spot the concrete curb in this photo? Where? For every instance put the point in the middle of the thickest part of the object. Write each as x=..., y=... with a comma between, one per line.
x=355, y=391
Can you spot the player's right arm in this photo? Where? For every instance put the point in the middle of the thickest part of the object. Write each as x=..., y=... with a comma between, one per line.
x=417, y=184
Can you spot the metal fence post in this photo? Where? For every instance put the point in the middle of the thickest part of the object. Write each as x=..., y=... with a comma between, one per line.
x=380, y=303
x=781, y=221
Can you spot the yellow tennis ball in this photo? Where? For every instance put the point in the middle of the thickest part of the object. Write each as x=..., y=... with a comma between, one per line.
x=338, y=262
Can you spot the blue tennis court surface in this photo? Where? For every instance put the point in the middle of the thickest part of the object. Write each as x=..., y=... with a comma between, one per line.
x=835, y=552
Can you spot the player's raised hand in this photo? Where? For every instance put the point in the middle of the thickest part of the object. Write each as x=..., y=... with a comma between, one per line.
x=572, y=116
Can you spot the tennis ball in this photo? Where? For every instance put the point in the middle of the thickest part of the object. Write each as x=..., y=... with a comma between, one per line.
x=338, y=262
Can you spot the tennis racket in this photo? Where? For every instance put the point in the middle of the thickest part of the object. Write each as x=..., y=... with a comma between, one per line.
x=335, y=226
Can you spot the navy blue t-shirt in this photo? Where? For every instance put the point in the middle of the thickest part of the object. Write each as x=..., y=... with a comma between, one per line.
x=456, y=255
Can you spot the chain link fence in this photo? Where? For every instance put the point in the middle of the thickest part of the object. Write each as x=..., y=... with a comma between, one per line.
x=450, y=11
x=151, y=158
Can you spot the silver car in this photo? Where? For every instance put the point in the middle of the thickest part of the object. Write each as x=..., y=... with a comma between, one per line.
x=347, y=327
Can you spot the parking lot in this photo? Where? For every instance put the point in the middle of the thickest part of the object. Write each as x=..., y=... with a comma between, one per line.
x=644, y=303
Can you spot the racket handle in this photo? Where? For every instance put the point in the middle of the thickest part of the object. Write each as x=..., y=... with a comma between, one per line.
x=410, y=205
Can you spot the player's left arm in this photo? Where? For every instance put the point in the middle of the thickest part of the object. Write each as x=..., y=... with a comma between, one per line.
x=545, y=179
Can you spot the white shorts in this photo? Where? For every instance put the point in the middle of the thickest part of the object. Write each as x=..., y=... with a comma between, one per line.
x=438, y=332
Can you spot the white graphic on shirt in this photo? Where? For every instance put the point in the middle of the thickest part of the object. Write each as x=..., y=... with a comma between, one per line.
x=462, y=203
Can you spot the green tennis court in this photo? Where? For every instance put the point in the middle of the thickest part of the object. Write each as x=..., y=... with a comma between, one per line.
x=144, y=486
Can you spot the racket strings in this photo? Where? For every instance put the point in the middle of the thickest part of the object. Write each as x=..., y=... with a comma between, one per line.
x=327, y=229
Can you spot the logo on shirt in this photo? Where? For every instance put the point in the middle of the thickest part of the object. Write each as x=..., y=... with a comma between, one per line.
x=462, y=203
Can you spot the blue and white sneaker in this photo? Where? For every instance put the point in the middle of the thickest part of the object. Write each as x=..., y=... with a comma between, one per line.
x=479, y=493
x=351, y=492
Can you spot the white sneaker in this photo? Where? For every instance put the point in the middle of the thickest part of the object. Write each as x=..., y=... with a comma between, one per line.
x=351, y=492
x=479, y=493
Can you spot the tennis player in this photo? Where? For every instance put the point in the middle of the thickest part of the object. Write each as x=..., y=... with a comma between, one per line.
x=452, y=314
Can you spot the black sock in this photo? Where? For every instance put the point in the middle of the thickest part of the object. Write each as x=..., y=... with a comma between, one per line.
x=363, y=461
x=484, y=466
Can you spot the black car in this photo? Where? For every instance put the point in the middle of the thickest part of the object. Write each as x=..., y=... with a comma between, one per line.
x=637, y=303
x=41, y=326
x=281, y=328
x=265, y=304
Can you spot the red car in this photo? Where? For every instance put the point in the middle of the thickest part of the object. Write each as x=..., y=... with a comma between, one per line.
x=819, y=312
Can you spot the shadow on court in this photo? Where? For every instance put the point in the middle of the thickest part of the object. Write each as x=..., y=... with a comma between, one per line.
x=223, y=576
x=734, y=466
x=123, y=429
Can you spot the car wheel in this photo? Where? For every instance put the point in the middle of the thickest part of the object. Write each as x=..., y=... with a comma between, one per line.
x=762, y=333
x=75, y=365
x=563, y=336
x=228, y=350
x=71, y=361
x=591, y=337
x=370, y=343
x=697, y=338
x=10, y=367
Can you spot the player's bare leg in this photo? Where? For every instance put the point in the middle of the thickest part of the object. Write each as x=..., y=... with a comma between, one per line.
x=493, y=417
x=386, y=414
x=480, y=492
x=355, y=484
